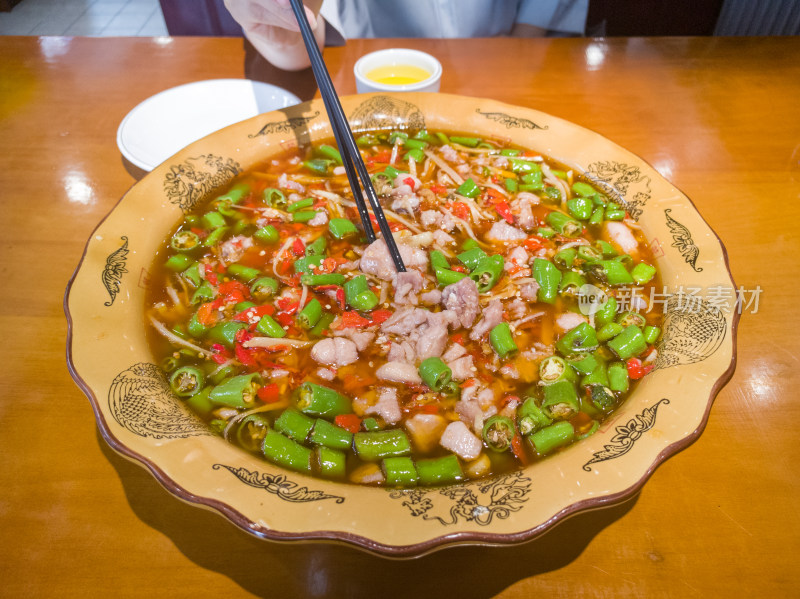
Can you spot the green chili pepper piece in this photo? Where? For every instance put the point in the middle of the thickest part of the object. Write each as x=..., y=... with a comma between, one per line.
x=269, y=326
x=320, y=166
x=416, y=154
x=605, y=248
x=435, y=373
x=545, y=232
x=355, y=286
x=245, y=273
x=611, y=271
x=215, y=236
x=438, y=260
x=192, y=274
x=264, y=287
x=510, y=152
x=178, y=262
x=580, y=208
x=400, y=472
x=602, y=397
x=488, y=272
x=203, y=293
x=471, y=258
x=443, y=139
x=330, y=462
x=300, y=204
x=583, y=364
x=598, y=376
x=552, y=437
x=225, y=333
x=583, y=189
x=328, y=434
x=186, y=381
x=553, y=369
x=317, y=247
x=530, y=417
x=370, y=424
x=468, y=244
x=395, y=135
x=267, y=234
x=571, y=282
x=439, y=471
x=304, y=264
x=367, y=140
x=597, y=216
x=548, y=277
x=235, y=194
x=520, y=165
x=330, y=152
x=502, y=340
x=565, y=258
x=213, y=220
x=303, y=216
x=533, y=179
x=309, y=316
x=614, y=212
x=618, y=377
x=364, y=301
x=323, y=279
x=564, y=224
x=294, y=425
x=511, y=185
x=341, y=228
x=445, y=276
x=642, y=273
x=651, y=334
x=606, y=313
x=200, y=403
x=609, y=331
x=560, y=400
x=377, y=445
x=322, y=325
x=238, y=391
x=498, y=433
x=468, y=189
x=184, y=241
x=552, y=193
x=317, y=400
x=286, y=453
x=628, y=343
x=589, y=254
x=251, y=431
x=582, y=338
x=470, y=142
x=195, y=327
x=628, y=318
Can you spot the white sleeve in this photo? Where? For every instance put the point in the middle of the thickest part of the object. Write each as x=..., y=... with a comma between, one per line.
x=568, y=16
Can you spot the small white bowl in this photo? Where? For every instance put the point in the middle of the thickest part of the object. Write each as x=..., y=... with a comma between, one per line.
x=393, y=57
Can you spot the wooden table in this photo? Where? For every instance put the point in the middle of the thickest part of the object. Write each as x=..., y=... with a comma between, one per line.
x=718, y=117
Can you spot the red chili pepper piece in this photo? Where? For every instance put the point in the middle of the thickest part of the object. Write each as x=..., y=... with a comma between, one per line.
x=233, y=292
x=460, y=210
x=504, y=210
x=298, y=247
x=269, y=393
x=409, y=181
x=635, y=369
x=349, y=422
x=211, y=276
x=341, y=298
x=288, y=305
x=438, y=189
x=254, y=312
x=519, y=450
x=352, y=319
x=379, y=316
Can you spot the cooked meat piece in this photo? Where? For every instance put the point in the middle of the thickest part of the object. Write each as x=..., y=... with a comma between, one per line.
x=462, y=298
x=442, y=238
x=454, y=352
x=517, y=308
x=425, y=431
x=402, y=351
x=326, y=374
x=348, y=266
x=320, y=219
x=569, y=320
x=387, y=407
x=285, y=183
x=460, y=440
x=233, y=249
x=405, y=320
x=529, y=291
x=462, y=368
x=516, y=257
x=377, y=261
x=621, y=235
x=521, y=206
x=405, y=202
x=492, y=316
x=429, y=218
x=509, y=371
x=399, y=372
x=406, y=285
x=502, y=231
x=335, y=352
x=362, y=339
x=449, y=154
x=432, y=341
x=431, y=298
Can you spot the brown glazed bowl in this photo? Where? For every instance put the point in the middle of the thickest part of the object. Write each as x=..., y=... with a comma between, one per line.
x=110, y=359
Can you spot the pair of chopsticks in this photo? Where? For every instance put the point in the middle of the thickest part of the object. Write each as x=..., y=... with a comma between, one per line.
x=351, y=157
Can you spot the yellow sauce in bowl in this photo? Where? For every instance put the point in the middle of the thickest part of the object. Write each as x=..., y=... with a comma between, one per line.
x=398, y=74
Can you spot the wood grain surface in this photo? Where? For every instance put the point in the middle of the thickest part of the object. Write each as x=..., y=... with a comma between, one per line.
x=717, y=117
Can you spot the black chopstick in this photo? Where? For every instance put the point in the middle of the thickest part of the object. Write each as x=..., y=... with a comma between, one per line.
x=351, y=157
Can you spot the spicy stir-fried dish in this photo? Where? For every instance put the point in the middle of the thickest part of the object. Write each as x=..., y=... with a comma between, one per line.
x=297, y=340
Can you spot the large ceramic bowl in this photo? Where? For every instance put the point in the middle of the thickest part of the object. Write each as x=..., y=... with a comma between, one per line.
x=110, y=359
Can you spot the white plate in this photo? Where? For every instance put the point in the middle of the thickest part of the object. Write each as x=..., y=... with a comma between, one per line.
x=165, y=123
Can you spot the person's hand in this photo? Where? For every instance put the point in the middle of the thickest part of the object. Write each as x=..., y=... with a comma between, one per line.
x=271, y=27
